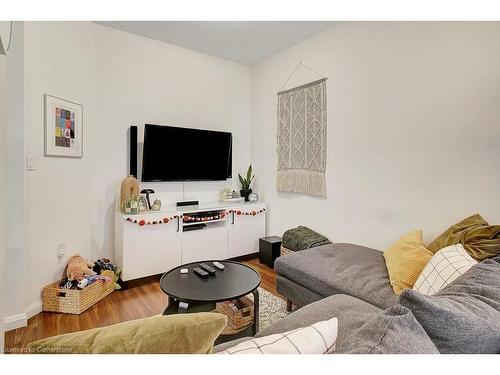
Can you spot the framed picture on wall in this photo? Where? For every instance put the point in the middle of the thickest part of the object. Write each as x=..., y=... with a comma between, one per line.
x=63, y=127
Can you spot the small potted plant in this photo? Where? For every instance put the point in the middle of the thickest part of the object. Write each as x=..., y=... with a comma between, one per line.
x=245, y=183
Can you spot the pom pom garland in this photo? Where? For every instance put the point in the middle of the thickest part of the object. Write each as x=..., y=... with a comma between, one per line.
x=143, y=222
x=187, y=218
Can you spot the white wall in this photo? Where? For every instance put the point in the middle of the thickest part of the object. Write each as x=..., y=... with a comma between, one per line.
x=413, y=129
x=16, y=257
x=121, y=80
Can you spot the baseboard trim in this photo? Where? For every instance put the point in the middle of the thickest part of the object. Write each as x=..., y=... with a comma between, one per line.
x=15, y=321
x=34, y=309
x=21, y=320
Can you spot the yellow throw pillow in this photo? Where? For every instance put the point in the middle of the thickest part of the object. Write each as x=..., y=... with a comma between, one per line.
x=161, y=334
x=478, y=238
x=405, y=260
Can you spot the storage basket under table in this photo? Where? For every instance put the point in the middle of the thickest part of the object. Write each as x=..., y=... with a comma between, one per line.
x=74, y=301
x=238, y=318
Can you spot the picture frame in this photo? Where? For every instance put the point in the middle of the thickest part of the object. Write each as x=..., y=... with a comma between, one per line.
x=63, y=127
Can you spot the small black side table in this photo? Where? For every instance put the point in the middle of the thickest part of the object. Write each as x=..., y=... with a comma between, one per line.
x=269, y=250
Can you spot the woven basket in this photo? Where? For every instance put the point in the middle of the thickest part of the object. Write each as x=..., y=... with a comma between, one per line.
x=74, y=301
x=284, y=251
x=240, y=318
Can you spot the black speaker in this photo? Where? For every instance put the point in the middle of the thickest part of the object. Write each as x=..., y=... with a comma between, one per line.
x=133, y=151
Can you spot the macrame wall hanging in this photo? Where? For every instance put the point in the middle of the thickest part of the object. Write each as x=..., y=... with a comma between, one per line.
x=302, y=132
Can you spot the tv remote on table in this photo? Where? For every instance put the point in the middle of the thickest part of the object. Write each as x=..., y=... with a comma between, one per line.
x=200, y=272
x=219, y=265
x=205, y=267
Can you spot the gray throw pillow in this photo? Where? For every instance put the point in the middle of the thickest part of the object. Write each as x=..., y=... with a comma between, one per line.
x=393, y=331
x=463, y=317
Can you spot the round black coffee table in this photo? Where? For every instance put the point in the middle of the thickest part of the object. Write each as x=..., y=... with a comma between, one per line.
x=191, y=293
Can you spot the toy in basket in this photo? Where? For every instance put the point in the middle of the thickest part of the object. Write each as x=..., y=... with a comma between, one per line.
x=80, y=289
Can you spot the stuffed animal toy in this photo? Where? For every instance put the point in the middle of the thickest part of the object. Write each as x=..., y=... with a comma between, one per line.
x=114, y=276
x=78, y=268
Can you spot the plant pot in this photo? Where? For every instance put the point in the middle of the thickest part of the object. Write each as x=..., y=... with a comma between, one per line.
x=245, y=193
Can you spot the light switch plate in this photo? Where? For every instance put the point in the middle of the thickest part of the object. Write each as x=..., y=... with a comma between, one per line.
x=30, y=162
x=60, y=252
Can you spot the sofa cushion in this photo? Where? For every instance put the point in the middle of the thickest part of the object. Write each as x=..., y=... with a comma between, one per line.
x=444, y=267
x=405, y=260
x=463, y=317
x=318, y=338
x=480, y=239
x=341, y=268
x=351, y=313
x=170, y=334
x=394, y=331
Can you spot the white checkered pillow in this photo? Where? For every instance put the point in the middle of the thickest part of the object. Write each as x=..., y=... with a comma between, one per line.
x=444, y=267
x=318, y=338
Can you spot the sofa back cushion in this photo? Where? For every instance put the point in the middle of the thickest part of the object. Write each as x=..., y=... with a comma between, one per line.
x=479, y=239
x=463, y=317
x=393, y=331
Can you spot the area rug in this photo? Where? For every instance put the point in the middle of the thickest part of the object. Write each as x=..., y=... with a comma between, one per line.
x=271, y=308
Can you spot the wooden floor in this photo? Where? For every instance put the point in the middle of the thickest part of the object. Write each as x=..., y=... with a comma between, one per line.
x=137, y=301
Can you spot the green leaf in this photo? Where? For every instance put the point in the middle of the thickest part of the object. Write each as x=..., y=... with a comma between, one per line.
x=249, y=173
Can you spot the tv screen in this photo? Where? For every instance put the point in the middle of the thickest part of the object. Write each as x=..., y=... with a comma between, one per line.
x=181, y=154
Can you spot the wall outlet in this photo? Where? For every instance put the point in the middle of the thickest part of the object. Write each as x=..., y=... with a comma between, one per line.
x=60, y=252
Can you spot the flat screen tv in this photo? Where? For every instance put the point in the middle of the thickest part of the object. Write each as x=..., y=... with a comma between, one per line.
x=181, y=154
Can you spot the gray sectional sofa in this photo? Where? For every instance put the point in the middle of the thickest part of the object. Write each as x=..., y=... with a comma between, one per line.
x=351, y=282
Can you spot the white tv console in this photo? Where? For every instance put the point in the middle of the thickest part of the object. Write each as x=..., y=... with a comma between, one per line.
x=157, y=246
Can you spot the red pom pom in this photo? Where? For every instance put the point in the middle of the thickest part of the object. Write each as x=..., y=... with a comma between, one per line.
x=142, y=222
x=238, y=212
x=165, y=220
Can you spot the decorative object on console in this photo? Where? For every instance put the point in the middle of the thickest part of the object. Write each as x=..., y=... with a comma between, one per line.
x=225, y=194
x=63, y=128
x=146, y=192
x=246, y=183
x=253, y=197
x=302, y=121
x=129, y=191
x=157, y=205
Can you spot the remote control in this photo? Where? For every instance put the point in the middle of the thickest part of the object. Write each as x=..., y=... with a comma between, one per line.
x=200, y=273
x=207, y=268
x=219, y=265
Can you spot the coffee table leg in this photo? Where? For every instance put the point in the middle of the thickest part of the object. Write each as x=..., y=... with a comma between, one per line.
x=183, y=307
x=255, y=327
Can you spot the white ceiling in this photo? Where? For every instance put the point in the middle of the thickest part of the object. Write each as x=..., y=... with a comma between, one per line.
x=246, y=42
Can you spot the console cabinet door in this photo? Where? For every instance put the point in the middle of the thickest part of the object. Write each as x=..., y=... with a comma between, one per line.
x=244, y=233
x=150, y=249
x=205, y=244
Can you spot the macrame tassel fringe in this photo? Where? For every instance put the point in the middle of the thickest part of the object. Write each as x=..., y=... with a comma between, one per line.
x=302, y=181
